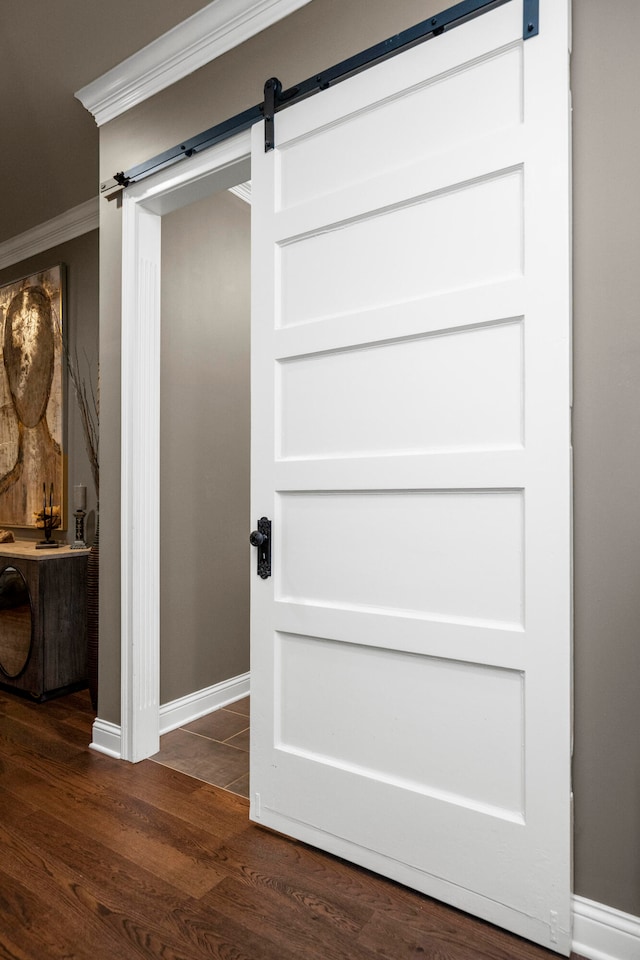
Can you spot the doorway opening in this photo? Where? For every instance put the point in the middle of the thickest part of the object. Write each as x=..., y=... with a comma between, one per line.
x=145, y=206
x=205, y=441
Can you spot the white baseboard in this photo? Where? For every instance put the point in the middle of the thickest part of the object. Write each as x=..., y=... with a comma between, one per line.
x=107, y=737
x=177, y=713
x=604, y=933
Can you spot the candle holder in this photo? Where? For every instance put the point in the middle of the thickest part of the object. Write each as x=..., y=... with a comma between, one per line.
x=49, y=521
x=79, y=543
x=48, y=524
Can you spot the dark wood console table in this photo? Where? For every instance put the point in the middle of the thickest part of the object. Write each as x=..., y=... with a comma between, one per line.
x=43, y=619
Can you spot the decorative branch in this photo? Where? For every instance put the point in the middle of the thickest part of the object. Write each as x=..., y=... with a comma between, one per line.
x=88, y=399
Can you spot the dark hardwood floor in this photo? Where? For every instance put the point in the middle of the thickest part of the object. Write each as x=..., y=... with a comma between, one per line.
x=108, y=860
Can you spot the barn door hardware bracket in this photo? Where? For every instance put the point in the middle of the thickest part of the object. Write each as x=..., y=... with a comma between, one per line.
x=261, y=538
x=272, y=93
x=531, y=19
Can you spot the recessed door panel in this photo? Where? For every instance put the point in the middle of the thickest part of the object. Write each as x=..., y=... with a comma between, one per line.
x=463, y=103
x=457, y=390
x=377, y=260
x=457, y=712
x=462, y=552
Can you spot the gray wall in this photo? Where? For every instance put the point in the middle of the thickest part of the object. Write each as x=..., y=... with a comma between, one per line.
x=606, y=81
x=81, y=317
x=204, y=445
x=606, y=78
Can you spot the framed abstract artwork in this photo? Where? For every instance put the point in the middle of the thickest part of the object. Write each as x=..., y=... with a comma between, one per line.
x=31, y=398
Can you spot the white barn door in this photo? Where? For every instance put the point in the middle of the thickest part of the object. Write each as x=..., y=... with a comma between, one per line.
x=411, y=444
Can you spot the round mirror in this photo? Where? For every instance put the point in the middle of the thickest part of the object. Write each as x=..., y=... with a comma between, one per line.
x=15, y=623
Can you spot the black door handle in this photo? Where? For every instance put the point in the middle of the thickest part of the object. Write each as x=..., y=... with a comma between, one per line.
x=261, y=538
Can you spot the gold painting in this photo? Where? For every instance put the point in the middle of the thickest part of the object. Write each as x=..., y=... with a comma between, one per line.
x=31, y=401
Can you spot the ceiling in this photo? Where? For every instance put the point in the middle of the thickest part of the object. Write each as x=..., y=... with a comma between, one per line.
x=49, y=142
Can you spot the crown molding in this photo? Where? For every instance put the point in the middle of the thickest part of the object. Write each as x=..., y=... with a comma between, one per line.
x=203, y=37
x=69, y=225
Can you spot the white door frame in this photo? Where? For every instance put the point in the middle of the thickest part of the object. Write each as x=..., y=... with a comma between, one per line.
x=143, y=206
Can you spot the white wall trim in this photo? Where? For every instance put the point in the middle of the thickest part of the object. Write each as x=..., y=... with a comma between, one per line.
x=143, y=205
x=140, y=472
x=212, y=31
x=185, y=710
x=107, y=738
x=243, y=191
x=604, y=933
x=67, y=226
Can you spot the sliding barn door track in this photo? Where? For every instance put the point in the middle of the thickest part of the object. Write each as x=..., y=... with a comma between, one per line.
x=277, y=99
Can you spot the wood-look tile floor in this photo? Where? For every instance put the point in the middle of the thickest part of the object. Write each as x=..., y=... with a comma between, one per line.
x=214, y=748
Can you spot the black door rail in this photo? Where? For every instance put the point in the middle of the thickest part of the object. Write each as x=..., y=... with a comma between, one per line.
x=276, y=99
